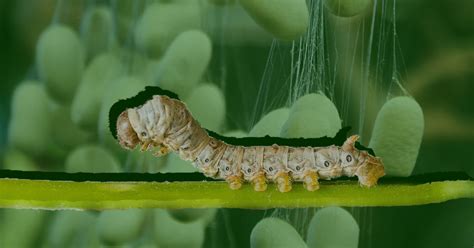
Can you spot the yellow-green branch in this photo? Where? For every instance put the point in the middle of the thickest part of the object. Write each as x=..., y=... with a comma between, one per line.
x=45, y=194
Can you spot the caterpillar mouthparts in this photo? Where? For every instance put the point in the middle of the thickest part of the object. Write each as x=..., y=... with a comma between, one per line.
x=165, y=124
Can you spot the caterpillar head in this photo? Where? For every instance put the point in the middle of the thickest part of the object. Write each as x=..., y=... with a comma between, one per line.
x=126, y=136
x=131, y=131
x=370, y=170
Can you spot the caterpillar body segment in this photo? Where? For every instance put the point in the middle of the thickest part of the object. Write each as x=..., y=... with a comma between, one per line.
x=164, y=124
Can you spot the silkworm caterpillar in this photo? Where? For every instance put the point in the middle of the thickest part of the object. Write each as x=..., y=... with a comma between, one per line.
x=164, y=124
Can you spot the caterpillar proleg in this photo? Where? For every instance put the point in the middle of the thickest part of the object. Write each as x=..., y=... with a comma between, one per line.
x=164, y=124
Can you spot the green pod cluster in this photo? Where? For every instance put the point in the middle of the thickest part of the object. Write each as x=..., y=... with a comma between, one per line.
x=333, y=227
x=97, y=30
x=88, y=98
x=397, y=134
x=161, y=23
x=30, y=122
x=91, y=158
x=275, y=233
x=21, y=228
x=347, y=8
x=286, y=20
x=270, y=124
x=67, y=228
x=184, y=62
x=118, y=227
x=168, y=232
x=60, y=61
x=64, y=132
x=312, y=116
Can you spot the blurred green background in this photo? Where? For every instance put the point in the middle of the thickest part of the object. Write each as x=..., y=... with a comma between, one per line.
x=250, y=72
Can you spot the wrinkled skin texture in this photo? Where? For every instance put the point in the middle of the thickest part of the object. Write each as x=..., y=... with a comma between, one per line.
x=166, y=124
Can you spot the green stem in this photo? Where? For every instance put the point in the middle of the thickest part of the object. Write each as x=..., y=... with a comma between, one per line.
x=46, y=194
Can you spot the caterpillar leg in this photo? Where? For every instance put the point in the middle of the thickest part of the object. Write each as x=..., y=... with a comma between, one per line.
x=235, y=182
x=370, y=172
x=145, y=146
x=161, y=151
x=259, y=182
x=283, y=181
x=310, y=181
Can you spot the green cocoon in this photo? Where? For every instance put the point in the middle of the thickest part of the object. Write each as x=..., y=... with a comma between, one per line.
x=286, y=20
x=397, y=135
x=89, y=238
x=21, y=228
x=97, y=30
x=333, y=227
x=275, y=233
x=90, y=93
x=193, y=214
x=312, y=116
x=161, y=23
x=68, y=227
x=64, y=132
x=91, y=158
x=184, y=62
x=347, y=8
x=236, y=134
x=60, y=61
x=271, y=123
x=30, y=122
x=17, y=160
x=207, y=104
x=149, y=72
x=169, y=232
x=117, y=227
x=123, y=88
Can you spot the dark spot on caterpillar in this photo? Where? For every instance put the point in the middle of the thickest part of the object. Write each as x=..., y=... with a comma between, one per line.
x=206, y=160
x=349, y=158
x=227, y=168
x=143, y=134
x=326, y=163
x=270, y=169
x=298, y=168
x=249, y=170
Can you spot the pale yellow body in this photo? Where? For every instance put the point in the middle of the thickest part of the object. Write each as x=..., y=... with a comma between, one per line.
x=166, y=124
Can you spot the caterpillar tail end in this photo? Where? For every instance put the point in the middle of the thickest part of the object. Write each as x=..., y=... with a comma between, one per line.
x=283, y=181
x=370, y=172
x=259, y=183
x=310, y=181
